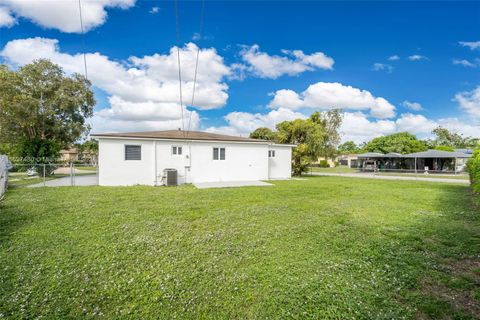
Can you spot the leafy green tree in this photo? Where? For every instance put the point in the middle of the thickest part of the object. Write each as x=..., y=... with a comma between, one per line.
x=402, y=142
x=330, y=121
x=318, y=135
x=348, y=147
x=263, y=133
x=88, y=150
x=444, y=148
x=43, y=110
x=308, y=136
x=445, y=137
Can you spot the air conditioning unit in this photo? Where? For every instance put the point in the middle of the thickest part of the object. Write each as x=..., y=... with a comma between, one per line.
x=170, y=177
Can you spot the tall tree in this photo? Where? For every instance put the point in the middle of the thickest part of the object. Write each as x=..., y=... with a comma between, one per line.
x=307, y=135
x=348, y=147
x=330, y=121
x=263, y=133
x=43, y=110
x=445, y=137
x=402, y=142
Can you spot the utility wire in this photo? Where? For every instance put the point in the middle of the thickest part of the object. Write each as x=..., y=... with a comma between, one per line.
x=177, y=20
x=83, y=38
x=202, y=19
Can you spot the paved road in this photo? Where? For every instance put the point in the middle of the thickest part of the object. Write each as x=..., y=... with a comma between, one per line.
x=83, y=180
x=374, y=176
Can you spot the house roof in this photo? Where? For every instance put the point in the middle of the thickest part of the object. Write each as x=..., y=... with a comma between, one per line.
x=179, y=135
x=69, y=151
x=393, y=155
x=437, y=154
x=371, y=155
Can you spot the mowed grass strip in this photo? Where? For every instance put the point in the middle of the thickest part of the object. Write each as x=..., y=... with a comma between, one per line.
x=322, y=247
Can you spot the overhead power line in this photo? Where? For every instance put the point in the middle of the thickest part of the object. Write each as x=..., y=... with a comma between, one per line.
x=83, y=39
x=200, y=35
x=177, y=23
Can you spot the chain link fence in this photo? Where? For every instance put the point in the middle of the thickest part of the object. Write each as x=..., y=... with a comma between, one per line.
x=52, y=175
x=4, y=165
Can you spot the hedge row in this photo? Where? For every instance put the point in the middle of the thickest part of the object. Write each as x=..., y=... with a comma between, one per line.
x=473, y=166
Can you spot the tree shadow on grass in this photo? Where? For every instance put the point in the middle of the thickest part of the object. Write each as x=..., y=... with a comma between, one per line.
x=448, y=243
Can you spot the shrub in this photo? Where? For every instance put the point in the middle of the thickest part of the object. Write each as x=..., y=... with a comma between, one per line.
x=473, y=166
x=324, y=164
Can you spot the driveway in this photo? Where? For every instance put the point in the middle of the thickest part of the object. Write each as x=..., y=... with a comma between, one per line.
x=83, y=180
x=375, y=176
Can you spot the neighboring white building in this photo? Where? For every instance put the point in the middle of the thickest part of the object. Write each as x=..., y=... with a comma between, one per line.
x=141, y=157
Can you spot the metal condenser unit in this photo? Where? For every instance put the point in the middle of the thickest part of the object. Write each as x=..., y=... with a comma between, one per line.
x=170, y=177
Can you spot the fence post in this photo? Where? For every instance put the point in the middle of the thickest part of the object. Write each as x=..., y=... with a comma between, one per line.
x=44, y=167
x=71, y=174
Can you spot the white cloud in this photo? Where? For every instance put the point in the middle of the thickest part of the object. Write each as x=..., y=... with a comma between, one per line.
x=149, y=78
x=469, y=101
x=64, y=14
x=465, y=63
x=356, y=126
x=417, y=57
x=333, y=95
x=142, y=90
x=466, y=129
x=154, y=10
x=415, y=106
x=382, y=67
x=394, y=58
x=470, y=44
x=359, y=128
x=293, y=63
x=415, y=123
x=6, y=18
x=242, y=123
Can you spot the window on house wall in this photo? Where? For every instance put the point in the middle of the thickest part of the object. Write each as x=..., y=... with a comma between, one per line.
x=218, y=153
x=271, y=153
x=133, y=152
x=177, y=150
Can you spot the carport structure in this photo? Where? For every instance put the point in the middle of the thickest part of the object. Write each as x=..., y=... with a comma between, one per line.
x=432, y=161
x=439, y=161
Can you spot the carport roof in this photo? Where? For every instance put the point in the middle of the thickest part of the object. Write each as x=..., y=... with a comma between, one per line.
x=371, y=155
x=437, y=154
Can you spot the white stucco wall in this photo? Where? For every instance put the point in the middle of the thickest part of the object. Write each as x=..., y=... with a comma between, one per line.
x=280, y=166
x=114, y=170
x=243, y=162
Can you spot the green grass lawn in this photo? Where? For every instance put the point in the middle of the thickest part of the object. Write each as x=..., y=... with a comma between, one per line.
x=340, y=169
x=319, y=248
x=462, y=176
x=87, y=168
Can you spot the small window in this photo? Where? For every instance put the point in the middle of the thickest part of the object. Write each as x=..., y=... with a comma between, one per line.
x=271, y=153
x=218, y=153
x=133, y=152
x=177, y=150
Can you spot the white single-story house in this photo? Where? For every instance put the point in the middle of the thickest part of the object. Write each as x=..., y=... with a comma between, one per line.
x=142, y=157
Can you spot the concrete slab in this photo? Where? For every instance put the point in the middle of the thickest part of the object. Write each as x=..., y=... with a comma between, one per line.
x=231, y=184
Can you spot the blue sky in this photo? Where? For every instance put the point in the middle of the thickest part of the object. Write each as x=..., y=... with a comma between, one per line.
x=391, y=66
